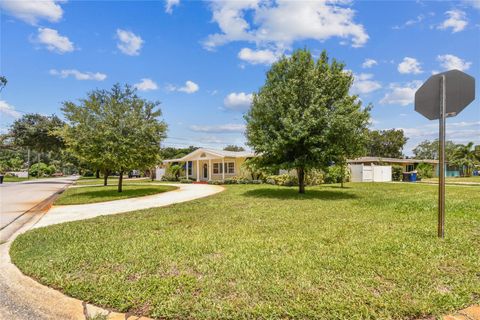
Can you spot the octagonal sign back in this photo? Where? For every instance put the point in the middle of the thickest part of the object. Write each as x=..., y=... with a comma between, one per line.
x=460, y=92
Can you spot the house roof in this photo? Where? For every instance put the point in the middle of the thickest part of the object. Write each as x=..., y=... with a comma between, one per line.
x=390, y=160
x=206, y=154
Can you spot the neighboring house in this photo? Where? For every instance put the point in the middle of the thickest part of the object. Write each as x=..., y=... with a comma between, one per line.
x=208, y=164
x=407, y=164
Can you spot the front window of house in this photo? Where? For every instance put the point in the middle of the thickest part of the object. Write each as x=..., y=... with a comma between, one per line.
x=229, y=168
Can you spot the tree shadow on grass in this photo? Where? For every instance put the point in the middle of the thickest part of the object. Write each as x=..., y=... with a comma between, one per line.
x=292, y=194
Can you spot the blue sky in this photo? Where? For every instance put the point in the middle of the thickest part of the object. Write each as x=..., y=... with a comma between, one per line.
x=203, y=59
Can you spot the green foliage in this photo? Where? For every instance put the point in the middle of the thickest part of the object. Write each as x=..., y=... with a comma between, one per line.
x=255, y=168
x=175, y=153
x=3, y=82
x=303, y=116
x=397, y=172
x=286, y=180
x=174, y=172
x=429, y=150
x=336, y=174
x=183, y=180
x=233, y=147
x=386, y=143
x=425, y=170
x=39, y=169
x=114, y=130
x=38, y=132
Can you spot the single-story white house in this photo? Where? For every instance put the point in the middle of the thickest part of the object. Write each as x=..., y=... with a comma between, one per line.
x=207, y=164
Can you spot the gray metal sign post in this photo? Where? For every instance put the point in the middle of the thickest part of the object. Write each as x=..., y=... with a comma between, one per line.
x=444, y=95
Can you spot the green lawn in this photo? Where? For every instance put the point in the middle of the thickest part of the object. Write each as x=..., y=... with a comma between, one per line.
x=14, y=179
x=368, y=251
x=475, y=179
x=79, y=195
x=111, y=181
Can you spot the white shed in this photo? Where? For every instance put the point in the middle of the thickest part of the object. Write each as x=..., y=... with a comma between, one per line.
x=370, y=173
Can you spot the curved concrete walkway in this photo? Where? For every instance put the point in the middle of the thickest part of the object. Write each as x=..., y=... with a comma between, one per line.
x=21, y=297
x=185, y=192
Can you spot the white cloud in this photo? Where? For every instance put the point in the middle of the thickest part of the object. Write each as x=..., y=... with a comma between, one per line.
x=223, y=128
x=8, y=110
x=257, y=56
x=281, y=23
x=363, y=83
x=146, y=85
x=129, y=43
x=34, y=10
x=238, y=101
x=189, y=87
x=169, y=4
x=97, y=76
x=456, y=20
x=401, y=94
x=409, y=65
x=412, y=22
x=54, y=41
x=368, y=63
x=449, y=61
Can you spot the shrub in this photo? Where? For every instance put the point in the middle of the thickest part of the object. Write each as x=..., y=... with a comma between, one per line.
x=38, y=169
x=184, y=180
x=215, y=182
x=425, y=170
x=314, y=177
x=283, y=180
x=333, y=174
x=397, y=172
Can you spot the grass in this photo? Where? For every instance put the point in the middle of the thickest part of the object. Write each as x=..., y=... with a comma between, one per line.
x=111, y=181
x=475, y=179
x=14, y=179
x=81, y=195
x=368, y=251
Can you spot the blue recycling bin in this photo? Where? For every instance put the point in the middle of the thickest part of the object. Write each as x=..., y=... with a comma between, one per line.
x=413, y=176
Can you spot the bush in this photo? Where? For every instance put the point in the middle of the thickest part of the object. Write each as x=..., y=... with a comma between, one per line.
x=88, y=173
x=314, y=177
x=184, y=180
x=425, y=170
x=215, y=182
x=333, y=174
x=286, y=180
x=38, y=169
x=397, y=172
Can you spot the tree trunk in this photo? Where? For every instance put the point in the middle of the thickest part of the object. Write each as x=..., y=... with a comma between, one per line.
x=105, y=177
x=301, y=180
x=120, y=181
x=153, y=174
x=97, y=174
x=342, y=177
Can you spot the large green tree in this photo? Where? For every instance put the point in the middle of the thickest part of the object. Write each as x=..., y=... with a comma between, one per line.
x=429, y=150
x=303, y=117
x=386, y=143
x=37, y=132
x=115, y=130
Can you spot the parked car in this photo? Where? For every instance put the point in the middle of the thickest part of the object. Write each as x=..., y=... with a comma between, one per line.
x=134, y=174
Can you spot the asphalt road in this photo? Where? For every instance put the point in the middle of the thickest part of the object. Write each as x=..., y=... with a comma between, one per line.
x=17, y=198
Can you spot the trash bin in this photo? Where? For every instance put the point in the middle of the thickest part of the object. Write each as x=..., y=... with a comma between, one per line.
x=406, y=176
x=413, y=176
x=1, y=178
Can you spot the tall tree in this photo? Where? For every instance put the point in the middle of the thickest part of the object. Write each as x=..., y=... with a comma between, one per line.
x=115, y=130
x=464, y=157
x=303, y=116
x=232, y=147
x=429, y=150
x=38, y=132
x=386, y=143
